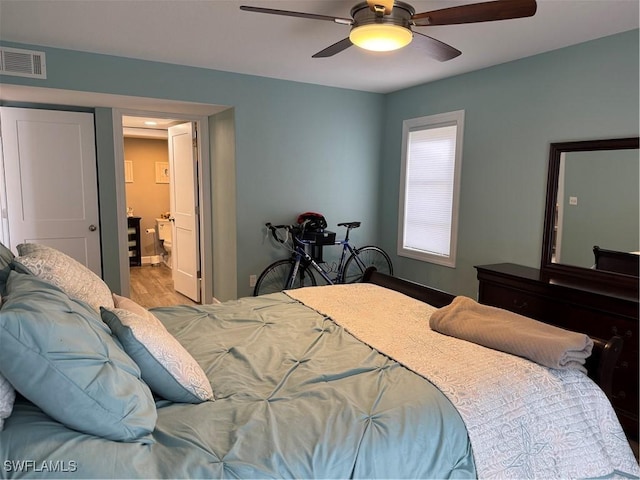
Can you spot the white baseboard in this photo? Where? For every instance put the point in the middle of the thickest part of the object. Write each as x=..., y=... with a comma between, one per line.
x=152, y=260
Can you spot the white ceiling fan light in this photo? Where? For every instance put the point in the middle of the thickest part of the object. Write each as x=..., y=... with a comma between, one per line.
x=380, y=37
x=378, y=27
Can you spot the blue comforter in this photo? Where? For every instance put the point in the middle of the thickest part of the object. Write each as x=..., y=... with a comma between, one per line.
x=295, y=396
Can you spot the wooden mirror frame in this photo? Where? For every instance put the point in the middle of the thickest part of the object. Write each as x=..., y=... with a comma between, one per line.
x=614, y=282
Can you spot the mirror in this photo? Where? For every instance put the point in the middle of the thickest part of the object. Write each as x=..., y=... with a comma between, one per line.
x=593, y=192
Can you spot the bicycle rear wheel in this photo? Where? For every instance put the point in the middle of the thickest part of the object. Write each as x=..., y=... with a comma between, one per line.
x=276, y=277
x=370, y=256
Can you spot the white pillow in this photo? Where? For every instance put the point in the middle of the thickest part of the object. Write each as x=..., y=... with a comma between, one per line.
x=7, y=397
x=76, y=280
x=128, y=304
x=7, y=393
x=166, y=366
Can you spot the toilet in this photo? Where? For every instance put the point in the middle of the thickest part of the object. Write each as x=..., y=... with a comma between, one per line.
x=164, y=236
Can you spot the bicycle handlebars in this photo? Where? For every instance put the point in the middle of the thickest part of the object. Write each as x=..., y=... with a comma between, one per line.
x=275, y=228
x=296, y=229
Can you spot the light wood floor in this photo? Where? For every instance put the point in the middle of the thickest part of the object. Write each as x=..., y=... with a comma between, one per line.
x=151, y=286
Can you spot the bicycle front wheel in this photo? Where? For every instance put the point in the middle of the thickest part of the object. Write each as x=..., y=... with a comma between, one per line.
x=276, y=277
x=369, y=256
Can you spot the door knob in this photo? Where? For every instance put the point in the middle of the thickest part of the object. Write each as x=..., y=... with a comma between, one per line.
x=92, y=228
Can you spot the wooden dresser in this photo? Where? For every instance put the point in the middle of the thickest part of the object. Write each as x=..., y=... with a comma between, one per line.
x=576, y=307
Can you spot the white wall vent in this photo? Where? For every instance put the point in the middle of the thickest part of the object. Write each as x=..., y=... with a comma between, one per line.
x=22, y=63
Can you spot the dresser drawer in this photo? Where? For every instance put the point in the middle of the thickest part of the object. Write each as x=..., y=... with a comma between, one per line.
x=626, y=385
x=515, y=300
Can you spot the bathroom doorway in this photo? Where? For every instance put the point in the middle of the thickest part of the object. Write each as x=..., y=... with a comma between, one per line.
x=148, y=192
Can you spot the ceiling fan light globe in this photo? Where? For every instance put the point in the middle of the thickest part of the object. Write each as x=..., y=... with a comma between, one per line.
x=380, y=37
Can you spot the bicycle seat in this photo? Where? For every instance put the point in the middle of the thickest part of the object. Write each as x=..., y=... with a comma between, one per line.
x=349, y=224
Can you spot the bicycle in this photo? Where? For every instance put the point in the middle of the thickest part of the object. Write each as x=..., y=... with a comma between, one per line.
x=298, y=270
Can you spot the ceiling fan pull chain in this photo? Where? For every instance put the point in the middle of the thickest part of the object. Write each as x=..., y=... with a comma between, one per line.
x=385, y=5
x=380, y=10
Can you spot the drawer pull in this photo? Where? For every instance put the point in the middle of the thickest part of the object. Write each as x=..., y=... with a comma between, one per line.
x=520, y=305
x=627, y=333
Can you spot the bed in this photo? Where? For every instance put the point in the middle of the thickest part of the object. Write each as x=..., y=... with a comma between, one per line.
x=345, y=381
x=627, y=263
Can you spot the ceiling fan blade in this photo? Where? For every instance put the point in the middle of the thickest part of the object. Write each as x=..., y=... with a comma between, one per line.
x=477, y=12
x=289, y=13
x=387, y=4
x=435, y=48
x=333, y=49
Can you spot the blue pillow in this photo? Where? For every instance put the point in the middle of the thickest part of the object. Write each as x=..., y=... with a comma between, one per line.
x=168, y=369
x=6, y=256
x=4, y=276
x=58, y=354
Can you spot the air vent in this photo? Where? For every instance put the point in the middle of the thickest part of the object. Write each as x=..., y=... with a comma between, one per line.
x=22, y=63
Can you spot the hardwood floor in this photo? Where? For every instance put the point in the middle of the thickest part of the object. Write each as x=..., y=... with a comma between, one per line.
x=151, y=286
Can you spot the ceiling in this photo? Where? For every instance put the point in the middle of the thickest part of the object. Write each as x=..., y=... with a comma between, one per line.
x=147, y=127
x=216, y=34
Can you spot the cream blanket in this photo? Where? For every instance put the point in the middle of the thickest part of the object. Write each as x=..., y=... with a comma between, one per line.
x=524, y=420
x=509, y=332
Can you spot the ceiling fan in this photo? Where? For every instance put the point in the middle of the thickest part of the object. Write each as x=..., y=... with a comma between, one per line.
x=385, y=25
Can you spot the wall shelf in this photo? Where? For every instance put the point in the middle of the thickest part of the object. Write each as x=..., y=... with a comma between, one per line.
x=133, y=241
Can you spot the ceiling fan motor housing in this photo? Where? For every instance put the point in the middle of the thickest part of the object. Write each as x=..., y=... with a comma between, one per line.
x=401, y=15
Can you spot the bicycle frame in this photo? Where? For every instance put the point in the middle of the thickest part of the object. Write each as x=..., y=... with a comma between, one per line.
x=300, y=254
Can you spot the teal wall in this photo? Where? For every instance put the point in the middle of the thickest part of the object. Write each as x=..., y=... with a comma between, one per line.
x=223, y=141
x=513, y=112
x=298, y=146
x=303, y=147
x=103, y=118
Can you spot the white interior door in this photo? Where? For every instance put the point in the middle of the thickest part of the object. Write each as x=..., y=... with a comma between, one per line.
x=185, y=254
x=51, y=181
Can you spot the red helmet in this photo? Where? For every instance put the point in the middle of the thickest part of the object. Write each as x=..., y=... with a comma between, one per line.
x=312, y=221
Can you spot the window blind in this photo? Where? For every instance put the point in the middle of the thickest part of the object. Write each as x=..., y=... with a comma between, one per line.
x=429, y=189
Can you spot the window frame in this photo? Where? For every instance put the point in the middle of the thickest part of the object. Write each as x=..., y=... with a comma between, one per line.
x=424, y=123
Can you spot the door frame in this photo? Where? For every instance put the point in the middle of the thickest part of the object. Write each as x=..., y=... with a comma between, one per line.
x=220, y=148
x=204, y=197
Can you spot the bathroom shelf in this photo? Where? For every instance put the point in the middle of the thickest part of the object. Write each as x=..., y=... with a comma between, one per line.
x=133, y=240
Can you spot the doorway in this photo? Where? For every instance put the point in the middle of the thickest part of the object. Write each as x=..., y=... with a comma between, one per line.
x=217, y=178
x=156, y=259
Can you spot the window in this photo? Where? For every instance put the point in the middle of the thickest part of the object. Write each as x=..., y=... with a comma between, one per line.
x=429, y=187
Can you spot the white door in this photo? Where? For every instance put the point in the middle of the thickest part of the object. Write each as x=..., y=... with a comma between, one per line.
x=183, y=156
x=51, y=181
